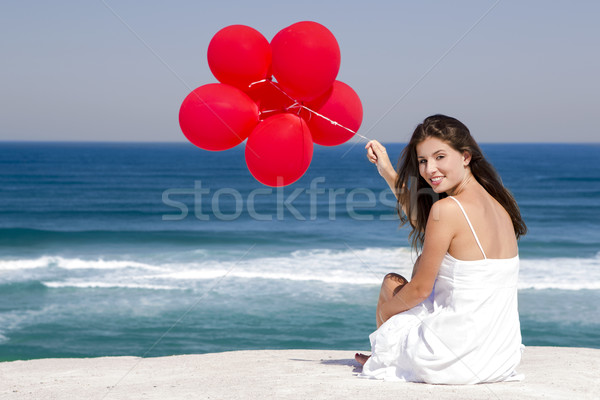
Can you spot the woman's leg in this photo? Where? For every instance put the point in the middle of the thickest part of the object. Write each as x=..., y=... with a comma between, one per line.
x=392, y=283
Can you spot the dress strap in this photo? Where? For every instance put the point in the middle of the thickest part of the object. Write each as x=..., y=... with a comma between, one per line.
x=470, y=226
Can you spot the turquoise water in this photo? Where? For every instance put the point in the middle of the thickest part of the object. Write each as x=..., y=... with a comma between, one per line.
x=159, y=249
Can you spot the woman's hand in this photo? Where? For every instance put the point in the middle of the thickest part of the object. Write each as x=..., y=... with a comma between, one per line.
x=377, y=154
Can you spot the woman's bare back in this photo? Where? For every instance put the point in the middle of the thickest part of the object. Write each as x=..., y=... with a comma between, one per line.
x=491, y=223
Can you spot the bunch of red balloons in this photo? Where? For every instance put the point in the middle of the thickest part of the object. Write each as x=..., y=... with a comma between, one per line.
x=281, y=117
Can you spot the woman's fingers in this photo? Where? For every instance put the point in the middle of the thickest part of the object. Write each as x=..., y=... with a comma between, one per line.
x=378, y=147
x=377, y=154
x=375, y=151
x=375, y=146
x=372, y=143
x=371, y=155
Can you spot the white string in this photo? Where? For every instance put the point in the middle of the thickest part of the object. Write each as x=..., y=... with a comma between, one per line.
x=254, y=83
x=302, y=106
x=332, y=121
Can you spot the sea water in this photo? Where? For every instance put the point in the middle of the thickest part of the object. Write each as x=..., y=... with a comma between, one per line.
x=160, y=249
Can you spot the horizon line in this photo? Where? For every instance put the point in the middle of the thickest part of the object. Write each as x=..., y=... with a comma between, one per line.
x=125, y=142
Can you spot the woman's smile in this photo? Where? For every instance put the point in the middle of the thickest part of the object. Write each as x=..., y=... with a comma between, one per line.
x=436, y=180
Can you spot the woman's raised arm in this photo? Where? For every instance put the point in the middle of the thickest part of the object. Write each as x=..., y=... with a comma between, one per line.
x=377, y=154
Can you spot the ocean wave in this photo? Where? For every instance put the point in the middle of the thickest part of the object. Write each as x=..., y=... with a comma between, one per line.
x=333, y=277
x=42, y=262
x=73, y=264
x=564, y=273
x=350, y=267
x=106, y=285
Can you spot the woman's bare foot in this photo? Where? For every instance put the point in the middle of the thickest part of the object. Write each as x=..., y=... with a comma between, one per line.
x=361, y=358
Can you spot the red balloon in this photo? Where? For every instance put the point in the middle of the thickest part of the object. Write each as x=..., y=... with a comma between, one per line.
x=342, y=106
x=269, y=98
x=239, y=55
x=306, y=59
x=217, y=117
x=279, y=150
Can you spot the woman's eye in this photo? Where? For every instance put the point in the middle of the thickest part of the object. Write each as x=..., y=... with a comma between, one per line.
x=422, y=161
x=439, y=157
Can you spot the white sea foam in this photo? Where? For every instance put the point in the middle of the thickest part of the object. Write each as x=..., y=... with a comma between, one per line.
x=560, y=273
x=72, y=264
x=365, y=266
x=368, y=266
x=42, y=262
x=77, y=263
x=345, y=266
x=106, y=285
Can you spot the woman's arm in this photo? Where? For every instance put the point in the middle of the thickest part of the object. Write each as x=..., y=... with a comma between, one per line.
x=415, y=267
x=377, y=154
x=438, y=236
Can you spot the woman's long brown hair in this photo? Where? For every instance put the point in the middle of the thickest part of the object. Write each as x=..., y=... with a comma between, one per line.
x=417, y=197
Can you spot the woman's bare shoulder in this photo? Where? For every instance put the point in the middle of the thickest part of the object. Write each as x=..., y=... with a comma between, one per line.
x=444, y=210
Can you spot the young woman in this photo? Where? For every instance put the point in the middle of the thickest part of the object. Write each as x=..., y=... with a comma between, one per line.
x=456, y=321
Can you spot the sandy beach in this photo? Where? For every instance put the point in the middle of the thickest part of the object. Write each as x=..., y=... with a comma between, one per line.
x=550, y=373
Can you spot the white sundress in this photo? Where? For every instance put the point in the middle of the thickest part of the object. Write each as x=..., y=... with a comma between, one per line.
x=466, y=332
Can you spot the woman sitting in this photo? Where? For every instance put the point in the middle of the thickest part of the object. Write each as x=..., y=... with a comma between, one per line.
x=456, y=321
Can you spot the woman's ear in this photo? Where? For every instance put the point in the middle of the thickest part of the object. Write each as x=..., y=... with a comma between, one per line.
x=466, y=158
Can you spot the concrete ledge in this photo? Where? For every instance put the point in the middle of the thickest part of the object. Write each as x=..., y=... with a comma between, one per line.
x=550, y=373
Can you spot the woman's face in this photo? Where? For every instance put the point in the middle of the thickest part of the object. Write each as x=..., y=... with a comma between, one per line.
x=441, y=166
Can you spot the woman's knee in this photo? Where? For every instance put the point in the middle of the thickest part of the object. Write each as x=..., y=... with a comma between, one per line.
x=395, y=278
x=392, y=283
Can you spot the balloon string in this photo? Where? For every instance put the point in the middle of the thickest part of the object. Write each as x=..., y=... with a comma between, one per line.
x=328, y=119
x=269, y=111
x=261, y=81
x=302, y=106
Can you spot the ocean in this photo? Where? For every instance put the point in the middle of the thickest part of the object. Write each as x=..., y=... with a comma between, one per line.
x=157, y=249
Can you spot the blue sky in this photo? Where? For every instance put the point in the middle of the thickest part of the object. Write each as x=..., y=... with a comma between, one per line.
x=512, y=71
